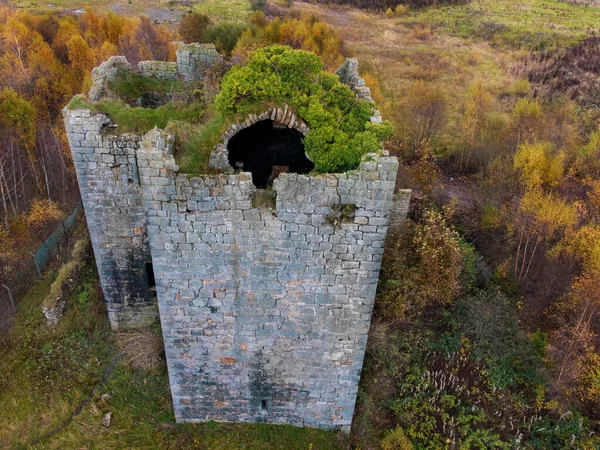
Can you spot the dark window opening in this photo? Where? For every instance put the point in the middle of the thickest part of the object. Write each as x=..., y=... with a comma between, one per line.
x=267, y=150
x=263, y=405
x=150, y=276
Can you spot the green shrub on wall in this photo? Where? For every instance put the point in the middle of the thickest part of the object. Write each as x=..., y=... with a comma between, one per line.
x=340, y=131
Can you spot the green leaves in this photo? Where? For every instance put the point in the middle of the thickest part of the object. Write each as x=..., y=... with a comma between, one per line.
x=340, y=131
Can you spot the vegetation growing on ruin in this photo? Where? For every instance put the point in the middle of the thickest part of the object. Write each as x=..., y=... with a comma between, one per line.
x=129, y=86
x=340, y=132
x=133, y=119
x=501, y=295
x=195, y=142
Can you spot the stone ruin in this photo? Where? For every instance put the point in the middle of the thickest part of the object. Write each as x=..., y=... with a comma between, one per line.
x=264, y=296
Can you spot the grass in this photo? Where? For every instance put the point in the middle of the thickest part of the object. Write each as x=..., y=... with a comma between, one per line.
x=528, y=24
x=141, y=120
x=129, y=86
x=45, y=373
x=396, y=56
x=236, y=10
x=143, y=418
x=195, y=142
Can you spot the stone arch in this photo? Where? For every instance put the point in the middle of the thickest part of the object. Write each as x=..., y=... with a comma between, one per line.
x=283, y=116
x=264, y=144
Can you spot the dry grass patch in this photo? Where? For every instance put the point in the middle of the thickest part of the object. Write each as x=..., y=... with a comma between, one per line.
x=144, y=350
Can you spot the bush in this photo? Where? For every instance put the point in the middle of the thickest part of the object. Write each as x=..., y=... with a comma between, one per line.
x=396, y=440
x=521, y=87
x=304, y=32
x=224, y=35
x=422, y=266
x=422, y=114
x=340, y=131
x=193, y=26
x=401, y=10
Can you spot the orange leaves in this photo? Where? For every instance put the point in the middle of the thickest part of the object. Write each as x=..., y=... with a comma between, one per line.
x=421, y=267
x=42, y=215
x=308, y=32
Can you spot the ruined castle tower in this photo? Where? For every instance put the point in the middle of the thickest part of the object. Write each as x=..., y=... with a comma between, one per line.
x=265, y=306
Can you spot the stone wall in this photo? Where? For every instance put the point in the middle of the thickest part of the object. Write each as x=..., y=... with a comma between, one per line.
x=265, y=296
x=104, y=73
x=194, y=59
x=107, y=172
x=161, y=70
x=265, y=310
x=348, y=73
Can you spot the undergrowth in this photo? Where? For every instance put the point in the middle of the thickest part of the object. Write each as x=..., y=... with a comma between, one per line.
x=45, y=372
x=462, y=374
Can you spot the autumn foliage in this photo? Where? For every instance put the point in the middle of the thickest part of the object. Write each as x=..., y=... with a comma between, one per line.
x=44, y=61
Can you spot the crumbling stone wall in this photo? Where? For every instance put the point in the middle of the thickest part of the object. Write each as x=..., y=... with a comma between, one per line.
x=265, y=311
x=193, y=60
x=161, y=70
x=104, y=73
x=348, y=73
x=107, y=172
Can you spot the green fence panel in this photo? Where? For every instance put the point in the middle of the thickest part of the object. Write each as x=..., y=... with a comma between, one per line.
x=48, y=248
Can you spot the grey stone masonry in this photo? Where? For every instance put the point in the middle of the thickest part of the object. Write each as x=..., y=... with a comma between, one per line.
x=105, y=72
x=194, y=59
x=348, y=73
x=264, y=296
x=107, y=172
x=265, y=311
x=160, y=70
x=400, y=207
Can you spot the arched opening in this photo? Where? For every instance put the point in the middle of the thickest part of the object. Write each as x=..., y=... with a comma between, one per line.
x=266, y=150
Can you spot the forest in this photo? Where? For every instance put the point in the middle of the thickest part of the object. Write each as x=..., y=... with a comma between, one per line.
x=485, y=333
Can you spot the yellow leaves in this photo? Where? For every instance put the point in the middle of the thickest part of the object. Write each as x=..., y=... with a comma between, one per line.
x=537, y=165
x=79, y=54
x=308, y=32
x=42, y=213
x=588, y=159
x=373, y=83
x=549, y=212
x=584, y=245
x=527, y=118
x=17, y=118
x=588, y=389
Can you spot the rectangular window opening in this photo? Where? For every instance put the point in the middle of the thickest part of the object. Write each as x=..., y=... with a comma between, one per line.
x=263, y=405
x=150, y=276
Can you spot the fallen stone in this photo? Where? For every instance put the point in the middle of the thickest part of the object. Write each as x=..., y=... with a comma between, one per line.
x=107, y=419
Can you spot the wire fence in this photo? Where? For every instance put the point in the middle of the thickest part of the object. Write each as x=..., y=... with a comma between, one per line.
x=10, y=292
